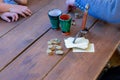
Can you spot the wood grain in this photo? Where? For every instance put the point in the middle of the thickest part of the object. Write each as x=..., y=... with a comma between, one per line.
x=34, y=63
x=87, y=66
x=23, y=47
x=34, y=6
x=16, y=41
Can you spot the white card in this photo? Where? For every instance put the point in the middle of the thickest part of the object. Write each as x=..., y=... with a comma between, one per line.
x=79, y=43
x=89, y=49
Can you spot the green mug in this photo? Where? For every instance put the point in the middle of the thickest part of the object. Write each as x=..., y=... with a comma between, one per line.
x=54, y=17
x=65, y=23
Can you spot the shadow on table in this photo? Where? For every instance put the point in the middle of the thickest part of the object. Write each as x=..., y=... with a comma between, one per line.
x=112, y=69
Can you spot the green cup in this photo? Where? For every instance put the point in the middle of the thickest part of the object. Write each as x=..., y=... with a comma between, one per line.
x=54, y=17
x=65, y=23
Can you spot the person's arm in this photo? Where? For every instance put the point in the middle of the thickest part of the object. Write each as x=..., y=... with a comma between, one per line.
x=22, y=2
x=107, y=10
x=5, y=7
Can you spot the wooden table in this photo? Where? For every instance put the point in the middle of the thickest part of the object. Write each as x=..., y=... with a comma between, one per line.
x=23, y=47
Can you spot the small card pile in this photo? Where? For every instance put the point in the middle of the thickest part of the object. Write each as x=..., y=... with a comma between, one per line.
x=81, y=44
x=54, y=47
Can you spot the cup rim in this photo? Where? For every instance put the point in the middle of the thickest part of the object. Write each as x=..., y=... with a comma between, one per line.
x=65, y=19
x=55, y=9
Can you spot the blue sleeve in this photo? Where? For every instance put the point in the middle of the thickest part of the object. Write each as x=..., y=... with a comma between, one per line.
x=9, y=1
x=107, y=10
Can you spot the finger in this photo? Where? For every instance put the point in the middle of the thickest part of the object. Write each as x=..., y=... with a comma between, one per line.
x=22, y=14
x=16, y=17
x=27, y=13
x=6, y=19
x=13, y=18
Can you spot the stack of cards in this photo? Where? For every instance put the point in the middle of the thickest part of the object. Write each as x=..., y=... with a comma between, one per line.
x=81, y=44
x=54, y=47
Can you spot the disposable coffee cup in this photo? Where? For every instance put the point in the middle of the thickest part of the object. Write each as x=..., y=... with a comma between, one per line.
x=54, y=17
x=65, y=23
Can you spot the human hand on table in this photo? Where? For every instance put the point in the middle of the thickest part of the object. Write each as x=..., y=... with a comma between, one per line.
x=9, y=16
x=21, y=10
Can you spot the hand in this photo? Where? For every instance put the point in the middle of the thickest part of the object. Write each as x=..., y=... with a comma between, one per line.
x=70, y=5
x=22, y=10
x=9, y=16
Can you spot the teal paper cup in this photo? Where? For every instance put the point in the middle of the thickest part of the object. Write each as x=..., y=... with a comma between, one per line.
x=65, y=23
x=54, y=17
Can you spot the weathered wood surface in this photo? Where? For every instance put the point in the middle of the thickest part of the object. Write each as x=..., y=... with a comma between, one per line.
x=17, y=40
x=87, y=66
x=34, y=6
x=34, y=63
x=23, y=47
x=35, y=58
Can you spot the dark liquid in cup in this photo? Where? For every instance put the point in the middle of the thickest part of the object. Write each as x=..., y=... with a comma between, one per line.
x=65, y=17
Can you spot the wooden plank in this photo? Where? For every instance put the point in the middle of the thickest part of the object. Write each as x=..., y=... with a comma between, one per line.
x=17, y=40
x=108, y=42
x=34, y=5
x=87, y=66
x=34, y=63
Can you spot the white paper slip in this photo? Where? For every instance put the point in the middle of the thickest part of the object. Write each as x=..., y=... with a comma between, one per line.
x=89, y=49
x=79, y=43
